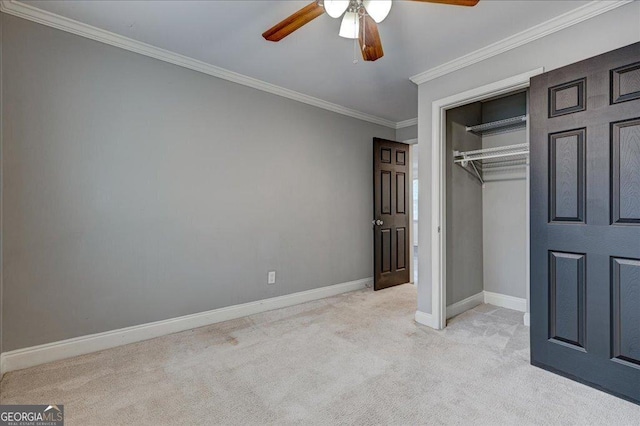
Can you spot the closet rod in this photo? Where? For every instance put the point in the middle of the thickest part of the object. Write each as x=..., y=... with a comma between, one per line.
x=488, y=153
x=488, y=156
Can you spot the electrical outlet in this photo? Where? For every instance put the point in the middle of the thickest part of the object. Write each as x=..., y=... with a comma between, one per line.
x=272, y=277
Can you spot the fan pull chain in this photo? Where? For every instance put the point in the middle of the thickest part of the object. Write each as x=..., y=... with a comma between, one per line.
x=355, y=51
x=355, y=40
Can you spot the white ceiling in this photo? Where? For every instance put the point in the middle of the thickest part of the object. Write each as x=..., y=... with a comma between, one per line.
x=314, y=60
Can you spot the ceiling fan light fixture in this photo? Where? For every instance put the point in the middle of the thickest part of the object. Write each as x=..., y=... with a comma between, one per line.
x=335, y=8
x=350, y=26
x=377, y=9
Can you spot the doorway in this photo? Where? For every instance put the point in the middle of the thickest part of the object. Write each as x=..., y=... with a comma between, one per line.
x=415, y=183
x=391, y=213
x=439, y=200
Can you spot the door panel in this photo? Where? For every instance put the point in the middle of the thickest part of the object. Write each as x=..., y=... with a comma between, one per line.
x=625, y=83
x=391, y=216
x=625, y=160
x=566, y=176
x=386, y=250
x=585, y=221
x=401, y=187
x=625, y=312
x=567, y=298
x=401, y=253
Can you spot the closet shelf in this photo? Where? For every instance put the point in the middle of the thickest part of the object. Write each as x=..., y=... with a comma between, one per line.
x=508, y=124
x=482, y=160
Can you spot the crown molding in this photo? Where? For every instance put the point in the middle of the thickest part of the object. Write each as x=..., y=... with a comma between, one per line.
x=31, y=13
x=407, y=123
x=573, y=17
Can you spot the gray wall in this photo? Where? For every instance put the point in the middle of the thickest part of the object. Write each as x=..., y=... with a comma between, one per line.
x=1, y=184
x=136, y=190
x=407, y=133
x=504, y=206
x=464, y=208
x=603, y=33
x=504, y=214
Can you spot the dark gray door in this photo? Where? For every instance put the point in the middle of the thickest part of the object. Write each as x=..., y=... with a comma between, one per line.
x=391, y=203
x=585, y=221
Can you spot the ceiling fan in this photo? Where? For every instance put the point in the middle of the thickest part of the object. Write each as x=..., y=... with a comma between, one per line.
x=360, y=21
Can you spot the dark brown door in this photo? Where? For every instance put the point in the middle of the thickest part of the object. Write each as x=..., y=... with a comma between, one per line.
x=391, y=203
x=585, y=221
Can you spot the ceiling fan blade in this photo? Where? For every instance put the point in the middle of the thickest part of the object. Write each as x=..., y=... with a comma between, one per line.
x=293, y=22
x=369, y=39
x=452, y=2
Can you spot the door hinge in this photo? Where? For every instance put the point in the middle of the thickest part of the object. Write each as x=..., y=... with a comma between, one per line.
x=438, y=229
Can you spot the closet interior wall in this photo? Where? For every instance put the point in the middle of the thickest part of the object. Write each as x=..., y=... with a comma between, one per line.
x=504, y=206
x=464, y=222
x=486, y=233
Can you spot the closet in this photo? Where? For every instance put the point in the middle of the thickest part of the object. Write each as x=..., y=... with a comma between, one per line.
x=486, y=204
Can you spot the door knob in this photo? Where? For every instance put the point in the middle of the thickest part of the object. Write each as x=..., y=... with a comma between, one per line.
x=379, y=222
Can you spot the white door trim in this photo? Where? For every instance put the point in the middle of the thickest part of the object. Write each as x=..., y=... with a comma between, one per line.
x=438, y=237
x=412, y=143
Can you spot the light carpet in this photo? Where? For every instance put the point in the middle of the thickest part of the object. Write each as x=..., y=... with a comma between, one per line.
x=357, y=358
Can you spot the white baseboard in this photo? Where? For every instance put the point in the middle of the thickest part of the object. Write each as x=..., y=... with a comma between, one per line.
x=426, y=319
x=464, y=305
x=504, y=301
x=496, y=299
x=36, y=355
